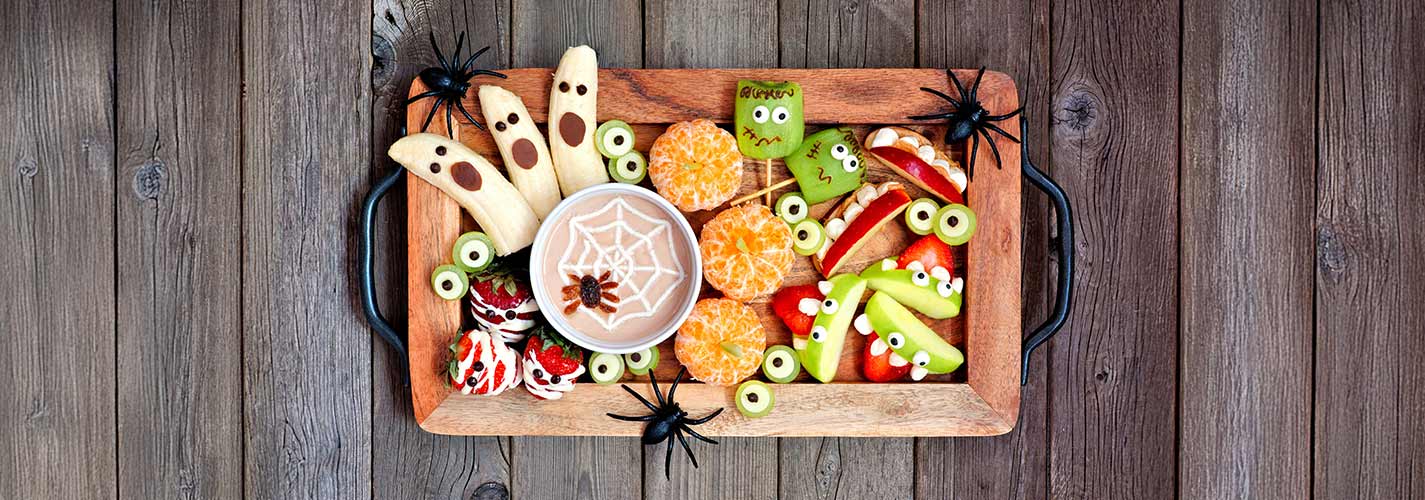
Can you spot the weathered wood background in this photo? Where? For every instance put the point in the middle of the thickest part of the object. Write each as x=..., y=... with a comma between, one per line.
x=179, y=318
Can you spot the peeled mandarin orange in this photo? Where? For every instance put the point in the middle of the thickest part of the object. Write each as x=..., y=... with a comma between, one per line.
x=695, y=165
x=746, y=251
x=721, y=343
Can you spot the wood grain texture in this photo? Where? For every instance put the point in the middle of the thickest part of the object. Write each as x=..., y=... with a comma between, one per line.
x=847, y=468
x=735, y=468
x=710, y=34
x=306, y=357
x=1369, y=383
x=179, y=130
x=953, y=468
x=415, y=463
x=576, y=467
x=1247, y=186
x=57, y=306
x=1113, y=374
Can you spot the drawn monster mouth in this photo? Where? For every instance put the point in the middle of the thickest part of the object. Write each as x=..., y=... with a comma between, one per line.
x=821, y=175
x=758, y=140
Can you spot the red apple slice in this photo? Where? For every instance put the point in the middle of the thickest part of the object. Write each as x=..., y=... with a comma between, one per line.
x=877, y=213
x=921, y=173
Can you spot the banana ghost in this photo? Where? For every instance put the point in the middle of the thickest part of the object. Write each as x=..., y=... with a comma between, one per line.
x=573, y=106
x=472, y=182
x=522, y=147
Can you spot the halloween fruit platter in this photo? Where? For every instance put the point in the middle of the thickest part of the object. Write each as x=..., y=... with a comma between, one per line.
x=687, y=253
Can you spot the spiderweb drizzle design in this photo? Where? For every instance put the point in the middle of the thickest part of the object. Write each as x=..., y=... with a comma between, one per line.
x=629, y=253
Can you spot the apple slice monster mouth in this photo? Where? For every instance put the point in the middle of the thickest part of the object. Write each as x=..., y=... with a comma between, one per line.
x=856, y=220
x=908, y=337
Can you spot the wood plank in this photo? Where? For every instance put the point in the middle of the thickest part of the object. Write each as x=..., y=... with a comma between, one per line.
x=415, y=463
x=952, y=468
x=575, y=467
x=57, y=407
x=700, y=34
x=1113, y=377
x=826, y=33
x=179, y=129
x=1247, y=191
x=1370, y=386
x=307, y=403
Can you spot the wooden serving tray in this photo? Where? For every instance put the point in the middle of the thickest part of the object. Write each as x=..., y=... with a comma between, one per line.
x=981, y=398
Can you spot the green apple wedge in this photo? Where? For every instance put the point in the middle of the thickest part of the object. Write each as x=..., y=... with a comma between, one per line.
x=931, y=293
x=828, y=331
x=908, y=337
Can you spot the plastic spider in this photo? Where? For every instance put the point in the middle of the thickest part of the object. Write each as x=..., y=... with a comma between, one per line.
x=970, y=119
x=448, y=83
x=667, y=421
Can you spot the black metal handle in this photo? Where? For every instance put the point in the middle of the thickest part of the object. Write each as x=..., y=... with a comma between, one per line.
x=1064, y=245
x=368, y=286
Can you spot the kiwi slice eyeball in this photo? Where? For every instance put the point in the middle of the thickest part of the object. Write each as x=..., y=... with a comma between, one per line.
x=920, y=216
x=605, y=368
x=642, y=362
x=449, y=282
x=755, y=399
x=630, y=168
x=792, y=207
x=808, y=236
x=780, y=364
x=614, y=138
x=955, y=224
x=473, y=252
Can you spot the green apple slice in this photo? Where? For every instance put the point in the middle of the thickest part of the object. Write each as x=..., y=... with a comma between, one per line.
x=449, y=282
x=792, y=207
x=473, y=252
x=955, y=224
x=642, y=362
x=828, y=331
x=605, y=368
x=920, y=216
x=614, y=139
x=808, y=236
x=630, y=168
x=755, y=399
x=910, y=339
x=780, y=364
x=932, y=293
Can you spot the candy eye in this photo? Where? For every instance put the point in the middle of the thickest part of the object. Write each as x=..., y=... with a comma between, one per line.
x=850, y=163
x=563, y=86
x=944, y=289
x=513, y=118
x=581, y=89
x=921, y=358
x=780, y=115
x=472, y=381
x=838, y=151
x=818, y=333
x=759, y=114
x=920, y=278
x=478, y=367
x=555, y=379
x=896, y=340
x=829, y=306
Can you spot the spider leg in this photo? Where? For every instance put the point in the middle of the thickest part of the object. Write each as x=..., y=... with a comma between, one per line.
x=609, y=297
x=423, y=95
x=487, y=72
x=656, y=392
x=627, y=418
x=684, y=442
x=993, y=148
x=431, y=114
x=695, y=434
x=937, y=116
x=438, y=56
x=449, y=123
x=472, y=58
x=974, y=149
x=975, y=89
x=996, y=118
x=641, y=399
x=952, y=100
x=573, y=306
x=1001, y=131
x=668, y=461
x=461, y=106
x=679, y=378
x=958, y=87
x=710, y=416
x=459, y=44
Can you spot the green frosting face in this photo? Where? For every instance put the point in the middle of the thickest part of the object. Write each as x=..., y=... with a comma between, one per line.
x=768, y=118
x=828, y=164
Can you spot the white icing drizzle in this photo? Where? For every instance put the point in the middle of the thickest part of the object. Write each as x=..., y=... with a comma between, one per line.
x=586, y=256
x=542, y=388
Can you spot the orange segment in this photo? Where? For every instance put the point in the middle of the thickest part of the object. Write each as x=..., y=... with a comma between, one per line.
x=746, y=251
x=721, y=343
x=695, y=165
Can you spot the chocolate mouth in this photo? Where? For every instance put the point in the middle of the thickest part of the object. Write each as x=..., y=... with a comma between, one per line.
x=821, y=175
x=758, y=140
x=524, y=153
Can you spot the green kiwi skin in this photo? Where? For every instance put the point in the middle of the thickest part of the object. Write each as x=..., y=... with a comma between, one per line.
x=651, y=352
x=462, y=285
x=466, y=238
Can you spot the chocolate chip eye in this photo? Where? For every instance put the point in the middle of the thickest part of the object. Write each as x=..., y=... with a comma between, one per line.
x=538, y=373
x=513, y=118
x=563, y=86
x=500, y=126
x=440, y=150
x=554, y=380
x=472, y=381
x=479, y=366
x=581, y=89
x=435, y=168
x=509, y=315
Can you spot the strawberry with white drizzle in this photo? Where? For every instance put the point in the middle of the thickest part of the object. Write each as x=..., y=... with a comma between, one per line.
x=483, y=365
x=852, y=223
x=551, y=365
x=917, y=159
x=502, y=304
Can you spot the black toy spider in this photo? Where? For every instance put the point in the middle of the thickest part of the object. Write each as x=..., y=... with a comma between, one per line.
x=667, y=421
x=448, y=83
x=970, y=119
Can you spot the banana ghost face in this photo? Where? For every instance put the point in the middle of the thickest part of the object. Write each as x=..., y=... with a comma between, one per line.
x=768, y=118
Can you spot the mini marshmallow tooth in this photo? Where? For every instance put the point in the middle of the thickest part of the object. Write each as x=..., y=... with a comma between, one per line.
x=958, y=285
x=915, y=265
x=887, y=186
x=866, y=194
x=834, y=228
x=888, y=264
x=884, y=137
x=879, y=347
x=940, y=273
x=921, y=358
x=910, y=141
x=852, y=212
x=917, y=373
x=863, y=325
x=809, y=306
x=825, y=288
x=926, y=153
x=799, y=343
x=821, y=252
x=897, y=361
x=957, y=176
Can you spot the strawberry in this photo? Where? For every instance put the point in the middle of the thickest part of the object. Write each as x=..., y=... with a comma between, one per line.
x=930, y=252
x=551, y=364
x=786, y=303
x=878, y=367
x=500, y=289
x=501, y=302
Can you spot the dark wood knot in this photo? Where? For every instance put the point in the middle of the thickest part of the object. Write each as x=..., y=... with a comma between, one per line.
x=491, y=491
x=148, y=180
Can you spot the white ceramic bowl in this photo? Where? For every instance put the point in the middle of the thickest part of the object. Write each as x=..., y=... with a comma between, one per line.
x=552, y=307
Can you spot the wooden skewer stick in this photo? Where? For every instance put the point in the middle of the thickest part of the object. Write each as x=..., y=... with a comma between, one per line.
x=766, y=190
x=767, y=180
